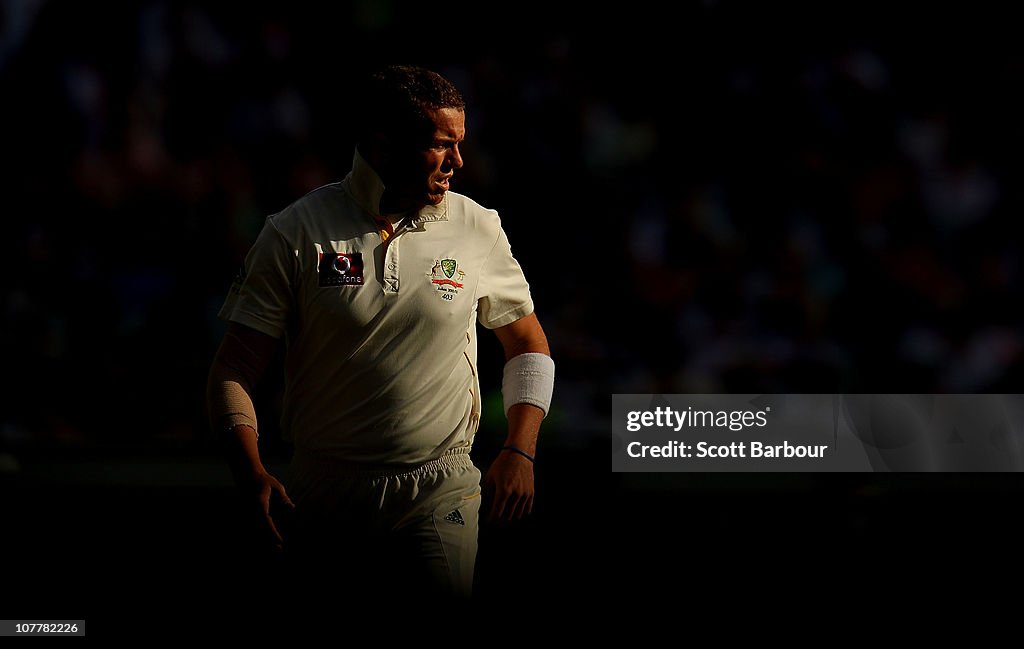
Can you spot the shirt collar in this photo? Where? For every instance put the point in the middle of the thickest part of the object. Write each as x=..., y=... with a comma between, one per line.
x=366, y=188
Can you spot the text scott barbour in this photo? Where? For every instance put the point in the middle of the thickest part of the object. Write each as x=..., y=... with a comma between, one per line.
x=733, y=420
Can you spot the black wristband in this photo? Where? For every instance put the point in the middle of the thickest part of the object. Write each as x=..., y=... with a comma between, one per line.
x=519, y=451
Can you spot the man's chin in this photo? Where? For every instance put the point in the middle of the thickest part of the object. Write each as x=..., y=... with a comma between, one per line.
x=434, y=199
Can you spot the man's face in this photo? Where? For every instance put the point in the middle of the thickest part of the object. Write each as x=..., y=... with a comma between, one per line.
x=421, y=174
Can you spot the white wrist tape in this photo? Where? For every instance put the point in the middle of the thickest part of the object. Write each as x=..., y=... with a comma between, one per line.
x=528, y=378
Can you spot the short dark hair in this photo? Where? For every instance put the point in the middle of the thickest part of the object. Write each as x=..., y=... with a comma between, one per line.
x=398, y=99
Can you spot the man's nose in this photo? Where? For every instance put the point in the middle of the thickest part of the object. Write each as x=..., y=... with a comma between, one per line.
x=455, y=157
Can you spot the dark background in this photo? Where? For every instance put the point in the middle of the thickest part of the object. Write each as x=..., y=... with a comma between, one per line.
x=715, y=198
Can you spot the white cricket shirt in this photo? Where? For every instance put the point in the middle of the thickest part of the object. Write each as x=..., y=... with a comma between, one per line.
x=381, y=359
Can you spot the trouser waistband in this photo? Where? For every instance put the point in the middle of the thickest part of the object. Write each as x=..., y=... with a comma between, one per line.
x=453, y=458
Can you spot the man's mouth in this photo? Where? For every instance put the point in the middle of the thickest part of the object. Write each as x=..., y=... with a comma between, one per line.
x=443, y=183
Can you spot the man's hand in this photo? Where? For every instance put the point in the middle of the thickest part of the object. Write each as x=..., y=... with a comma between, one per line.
x=508, y=486
x=259, y=489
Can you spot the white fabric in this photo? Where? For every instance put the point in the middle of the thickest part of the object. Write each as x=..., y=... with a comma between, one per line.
x=528, y=378
x=382, y=371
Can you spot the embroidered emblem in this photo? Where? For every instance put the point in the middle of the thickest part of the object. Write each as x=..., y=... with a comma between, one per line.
x=442, y=275
x=448, y=266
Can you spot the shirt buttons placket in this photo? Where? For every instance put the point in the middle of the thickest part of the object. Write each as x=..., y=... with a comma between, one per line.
x=391, y=277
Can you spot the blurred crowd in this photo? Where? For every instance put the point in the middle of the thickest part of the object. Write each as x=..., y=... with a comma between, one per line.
x=706, y=206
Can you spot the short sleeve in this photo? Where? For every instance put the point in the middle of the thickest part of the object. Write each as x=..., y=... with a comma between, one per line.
x=503, y=294
x=261, y=296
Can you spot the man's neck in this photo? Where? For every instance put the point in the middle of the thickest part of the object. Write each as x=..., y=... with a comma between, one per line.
x=390, y=204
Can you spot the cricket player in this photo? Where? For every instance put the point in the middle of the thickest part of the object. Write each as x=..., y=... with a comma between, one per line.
x=374, y=286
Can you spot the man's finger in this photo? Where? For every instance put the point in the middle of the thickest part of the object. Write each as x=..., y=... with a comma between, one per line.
x=498, y=506
x=495, y=509
x=279, y=541
x=522, y=506
x=265, y=502
x=510, y=509
x=524, y=502
x=284, y=496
